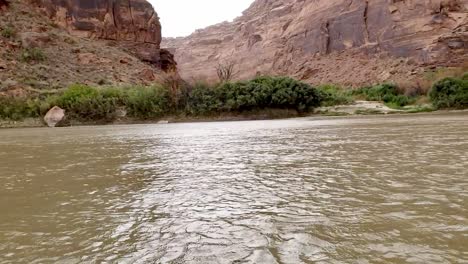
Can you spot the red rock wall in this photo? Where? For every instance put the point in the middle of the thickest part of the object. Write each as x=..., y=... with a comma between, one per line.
x=129, y=20
x=132, y=23
x=325, y=40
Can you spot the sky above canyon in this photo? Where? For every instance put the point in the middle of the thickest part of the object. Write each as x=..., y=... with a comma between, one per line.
x=182, y=17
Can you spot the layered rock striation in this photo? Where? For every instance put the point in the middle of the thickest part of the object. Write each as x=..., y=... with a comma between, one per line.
x=133, y=24
x=340, y=41
x=50, y=44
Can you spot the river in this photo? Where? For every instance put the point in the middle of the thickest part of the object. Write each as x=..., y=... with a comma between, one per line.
x=385, y=189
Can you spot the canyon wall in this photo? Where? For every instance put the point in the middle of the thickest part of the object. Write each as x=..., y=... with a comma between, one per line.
x=134, y=24
x=50, y=44
x=349, y=42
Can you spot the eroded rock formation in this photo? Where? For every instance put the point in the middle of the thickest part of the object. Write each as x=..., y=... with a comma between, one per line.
x=341, y=41
x=133, y=24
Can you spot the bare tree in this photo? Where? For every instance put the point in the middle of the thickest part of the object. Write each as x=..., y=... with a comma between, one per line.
x=226, y=71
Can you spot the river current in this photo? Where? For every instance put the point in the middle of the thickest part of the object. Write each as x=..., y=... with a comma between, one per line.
x=386, y=189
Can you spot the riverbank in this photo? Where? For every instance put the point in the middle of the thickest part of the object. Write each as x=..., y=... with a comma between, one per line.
x=266, y=114
x=361, y=108
x=263, y=97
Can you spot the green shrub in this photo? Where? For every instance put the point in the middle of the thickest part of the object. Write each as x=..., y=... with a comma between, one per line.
x=119, y=94
x=256, y=94
x=148, y=102
x=334, y=95
x=450, y=93
x=83, y=102
x=269, y=92
x=377, y=92
x=387, y=93
x=75, y=94
x=32, y=54
x=8, y=32
x=202, y=100
x=18, y=108
x=238, y=96
x=285, y=92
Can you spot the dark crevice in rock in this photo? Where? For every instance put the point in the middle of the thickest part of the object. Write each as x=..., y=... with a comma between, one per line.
x=327, y=40
x=366, y=25
x=131, y=14
x=113, y=13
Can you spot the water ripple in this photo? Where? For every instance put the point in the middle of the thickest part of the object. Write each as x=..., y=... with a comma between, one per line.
x=355, y=190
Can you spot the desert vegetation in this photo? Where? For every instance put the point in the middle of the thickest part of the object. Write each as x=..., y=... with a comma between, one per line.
x=264, y=93
x=450, y=93
x=86, y=103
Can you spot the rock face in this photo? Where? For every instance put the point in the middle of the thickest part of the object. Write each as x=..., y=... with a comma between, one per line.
x=54, y=116
x=133, y=24
x=330, y=40
x=3, y=4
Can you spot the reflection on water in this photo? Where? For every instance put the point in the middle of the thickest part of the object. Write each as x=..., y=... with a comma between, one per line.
x=357, y=190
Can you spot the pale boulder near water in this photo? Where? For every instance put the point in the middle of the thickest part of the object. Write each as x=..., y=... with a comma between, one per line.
x=54, y=116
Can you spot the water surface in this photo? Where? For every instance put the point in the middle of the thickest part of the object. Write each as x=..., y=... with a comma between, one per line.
x=390, y=189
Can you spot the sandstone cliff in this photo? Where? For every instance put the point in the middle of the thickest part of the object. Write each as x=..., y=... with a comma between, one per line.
x=133, y=23
x=342, y=41
x=47, y=44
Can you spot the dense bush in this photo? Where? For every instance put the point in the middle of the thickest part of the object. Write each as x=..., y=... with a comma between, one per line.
x=388, y=93
x=202, y=100
x=148, y=102
x=19, y=108
x=259, y=93
x=88, y=103
x=284, y=92
x=85, y=103
x=334, y=95
x=450, y=93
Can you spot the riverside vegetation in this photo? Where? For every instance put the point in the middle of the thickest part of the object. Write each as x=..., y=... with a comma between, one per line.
x=257, y=96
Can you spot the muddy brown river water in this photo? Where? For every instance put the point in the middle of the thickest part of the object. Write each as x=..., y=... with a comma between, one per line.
x=387, y=189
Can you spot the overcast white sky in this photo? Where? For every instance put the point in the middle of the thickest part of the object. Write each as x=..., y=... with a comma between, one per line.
x=182, y=17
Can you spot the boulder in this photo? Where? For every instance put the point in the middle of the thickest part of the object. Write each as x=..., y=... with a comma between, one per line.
x=54, y=116
x=121, y=112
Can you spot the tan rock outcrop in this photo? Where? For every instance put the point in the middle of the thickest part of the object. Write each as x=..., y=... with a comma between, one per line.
x=341, y=41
